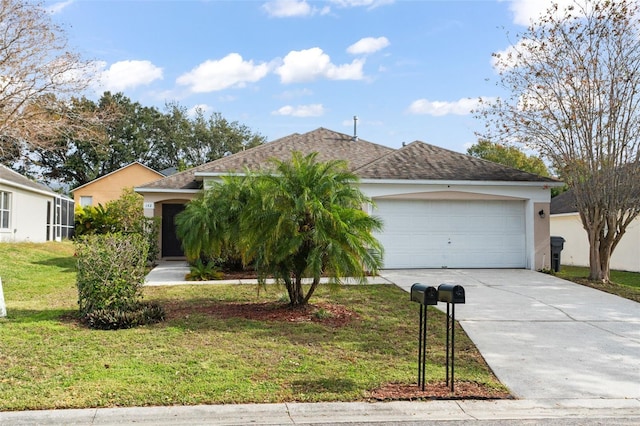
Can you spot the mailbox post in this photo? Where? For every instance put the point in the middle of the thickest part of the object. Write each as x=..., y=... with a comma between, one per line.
x=425, y=295
x=452, y=295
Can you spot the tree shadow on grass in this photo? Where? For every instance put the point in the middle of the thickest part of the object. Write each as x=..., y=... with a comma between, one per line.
x=65, y=264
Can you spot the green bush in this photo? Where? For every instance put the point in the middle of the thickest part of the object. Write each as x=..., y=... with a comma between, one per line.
x=204, y=271
x=124, y=215
x=111, y=271
x=115, y=319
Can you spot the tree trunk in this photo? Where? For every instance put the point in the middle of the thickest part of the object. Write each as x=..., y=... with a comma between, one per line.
x=599, y=257
x=316, y=281
x=295, y=295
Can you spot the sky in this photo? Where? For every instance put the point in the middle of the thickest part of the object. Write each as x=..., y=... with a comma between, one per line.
x=409, y=70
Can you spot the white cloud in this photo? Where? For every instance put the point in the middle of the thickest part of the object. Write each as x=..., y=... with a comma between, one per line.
x=128, y=75
x=370, y=4
x=311, y=64
x=313, y=110
x=368, y=45
x=56, y=8
x=440, y=108
x=287, y=8
x=203, y=108
x=230, y=71
x=527, y=11
x=292, y=8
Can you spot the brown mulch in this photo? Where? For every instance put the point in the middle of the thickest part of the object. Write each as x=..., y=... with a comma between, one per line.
x=437, y=390
x=324, y=313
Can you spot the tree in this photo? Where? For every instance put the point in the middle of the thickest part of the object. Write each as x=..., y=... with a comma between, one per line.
x=215, y=137
x=509, y=156
x=38, y=75
x=573, y=79
x=131, y=132
x=301, y=219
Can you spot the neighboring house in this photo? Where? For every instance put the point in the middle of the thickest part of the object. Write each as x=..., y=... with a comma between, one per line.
x=109, y=187
x=32, y=212
x=566, y=223
x=441, y=209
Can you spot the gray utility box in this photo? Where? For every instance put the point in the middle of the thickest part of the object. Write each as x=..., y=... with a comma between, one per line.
x=557, y=244
x=451, y=293
x=424, y=294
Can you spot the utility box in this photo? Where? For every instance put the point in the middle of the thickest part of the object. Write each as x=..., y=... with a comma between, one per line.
x=424, y=294
x=451, y=293
x=557, y=244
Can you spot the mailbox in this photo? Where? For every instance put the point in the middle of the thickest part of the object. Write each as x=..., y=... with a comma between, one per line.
x=451, y=293
x=424, y=294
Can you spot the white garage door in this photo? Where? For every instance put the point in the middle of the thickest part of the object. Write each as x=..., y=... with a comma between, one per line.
x=452, y=234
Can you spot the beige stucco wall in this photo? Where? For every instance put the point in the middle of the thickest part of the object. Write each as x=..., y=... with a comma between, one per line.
x=541, y=236
x=626, y=256
x=28, y=217
x=536, y=198
x=109, y=187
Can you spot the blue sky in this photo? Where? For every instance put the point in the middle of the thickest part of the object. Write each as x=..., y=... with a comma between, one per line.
x=410, y=70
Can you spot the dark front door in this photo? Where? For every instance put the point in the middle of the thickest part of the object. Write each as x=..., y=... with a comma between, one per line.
x=171, y=245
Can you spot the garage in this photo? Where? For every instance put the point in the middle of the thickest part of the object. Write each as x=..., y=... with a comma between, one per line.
x=452, y=233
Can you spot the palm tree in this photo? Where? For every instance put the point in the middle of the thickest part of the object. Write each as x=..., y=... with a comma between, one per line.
x=301, y=219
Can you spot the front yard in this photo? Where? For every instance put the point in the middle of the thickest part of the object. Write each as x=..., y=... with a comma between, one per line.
x=624, y=284
x=212, y=348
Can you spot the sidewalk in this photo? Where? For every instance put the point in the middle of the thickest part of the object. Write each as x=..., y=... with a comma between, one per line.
x=173, y=272
x=575, y=412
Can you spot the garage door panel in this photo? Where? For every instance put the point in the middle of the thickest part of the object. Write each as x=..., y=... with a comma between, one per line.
x=452, y=234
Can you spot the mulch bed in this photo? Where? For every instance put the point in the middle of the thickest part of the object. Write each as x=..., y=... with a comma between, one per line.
x=437, y=390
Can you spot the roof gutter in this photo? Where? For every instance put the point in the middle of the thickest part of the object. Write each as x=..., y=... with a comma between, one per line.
x=460, y=182
x=166, y=190
x=30, y=189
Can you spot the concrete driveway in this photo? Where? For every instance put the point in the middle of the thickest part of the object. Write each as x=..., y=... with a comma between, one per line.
x=545, y=337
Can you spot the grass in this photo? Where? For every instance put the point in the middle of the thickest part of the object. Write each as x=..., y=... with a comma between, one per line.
x=48, y=360
x=624, y=284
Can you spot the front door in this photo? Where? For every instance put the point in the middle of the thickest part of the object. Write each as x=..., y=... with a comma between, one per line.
x=171, y=245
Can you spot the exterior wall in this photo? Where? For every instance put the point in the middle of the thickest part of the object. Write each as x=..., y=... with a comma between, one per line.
x=626, y=256
x=28, y=216
x=541, y=236
x=536, y=196
x=109, y=187
x=153, y=202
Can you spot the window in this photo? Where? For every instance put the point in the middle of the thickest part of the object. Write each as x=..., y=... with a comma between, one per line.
x=86, y=200
x=5, y=209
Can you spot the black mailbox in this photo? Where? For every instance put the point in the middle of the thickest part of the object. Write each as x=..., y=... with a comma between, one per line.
x=451, y=293
x=424, y=294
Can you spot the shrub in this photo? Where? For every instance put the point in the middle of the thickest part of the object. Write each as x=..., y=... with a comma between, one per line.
x=124, y=215
x=115, y=319
x=111, y=271
x=204, y=271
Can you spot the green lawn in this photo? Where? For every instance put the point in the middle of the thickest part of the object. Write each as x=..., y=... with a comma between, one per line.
x=48, y=360
x=624, y=284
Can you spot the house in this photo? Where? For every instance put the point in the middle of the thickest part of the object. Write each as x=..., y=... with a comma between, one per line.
x=32, y=212
x=441, y=209
x=109, y=187
x=566, y=223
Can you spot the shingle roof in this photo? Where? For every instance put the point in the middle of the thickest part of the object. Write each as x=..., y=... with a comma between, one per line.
x=564, y=203
x=328, y=144
x=422, y=161
x=416, y=161
x=9, y=175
